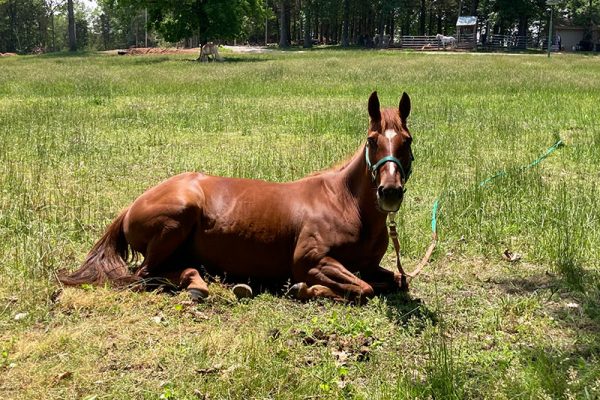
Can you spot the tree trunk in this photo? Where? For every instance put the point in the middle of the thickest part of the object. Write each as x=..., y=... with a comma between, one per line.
x=474, y=5
x=307, y=26
x=346, y=24
x=43, y=30
x=392, y=28
x=53, y=29
x=293, y=34
x=288, y=26
x=283, y=29
x=422, y=18
x=14, y=45
x=522, y=31
x=430, y=22
x=71, y=16
x=105, y=30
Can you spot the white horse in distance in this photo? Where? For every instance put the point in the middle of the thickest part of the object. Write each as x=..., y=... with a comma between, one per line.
x=210, y=52
x=445, y=40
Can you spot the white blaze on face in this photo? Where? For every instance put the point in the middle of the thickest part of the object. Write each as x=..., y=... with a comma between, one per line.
x=390, y=134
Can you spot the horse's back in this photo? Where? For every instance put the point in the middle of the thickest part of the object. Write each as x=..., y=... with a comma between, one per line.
x=248, y=227
x=168, y=205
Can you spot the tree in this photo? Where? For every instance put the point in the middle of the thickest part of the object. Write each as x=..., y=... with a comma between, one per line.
x=518, y=11
x=208, y=19
x=283, y=24
x=346, y=24
x=23, y=25
x=119, y=25
x=583, y=12
x=307, y=24
x=30, y=25
x=72, y=34
x=52, y=6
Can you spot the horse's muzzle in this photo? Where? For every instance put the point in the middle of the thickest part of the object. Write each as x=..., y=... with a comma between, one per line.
x=389, y=197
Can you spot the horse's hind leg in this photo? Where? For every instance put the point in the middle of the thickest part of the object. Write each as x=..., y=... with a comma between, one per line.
x=166, y=257
x=165, y=238
x=190, y=280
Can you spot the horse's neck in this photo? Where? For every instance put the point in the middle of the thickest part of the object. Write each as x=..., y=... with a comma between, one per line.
x=357, y=180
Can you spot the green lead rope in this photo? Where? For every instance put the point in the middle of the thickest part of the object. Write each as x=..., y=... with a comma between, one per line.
x=550, y=150
x=436, y=203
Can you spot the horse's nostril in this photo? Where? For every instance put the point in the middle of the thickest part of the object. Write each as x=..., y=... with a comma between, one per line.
x=390, y=193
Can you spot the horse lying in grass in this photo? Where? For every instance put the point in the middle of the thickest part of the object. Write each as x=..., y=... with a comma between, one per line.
x=326, y=233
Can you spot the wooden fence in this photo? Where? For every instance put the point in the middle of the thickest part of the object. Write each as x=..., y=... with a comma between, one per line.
x=431, y=43
x=510, y=42
x=418, y=42
x=492, y=42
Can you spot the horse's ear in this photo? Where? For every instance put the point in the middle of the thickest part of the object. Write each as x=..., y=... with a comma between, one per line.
x=404, y=107
x=374, y=111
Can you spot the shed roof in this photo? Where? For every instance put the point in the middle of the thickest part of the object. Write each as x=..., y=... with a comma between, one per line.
x=466, y=20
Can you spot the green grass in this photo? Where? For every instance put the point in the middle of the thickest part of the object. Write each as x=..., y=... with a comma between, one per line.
x=82, y=136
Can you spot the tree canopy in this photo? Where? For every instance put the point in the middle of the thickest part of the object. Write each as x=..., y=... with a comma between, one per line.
x=208, y=19
x=41, y=25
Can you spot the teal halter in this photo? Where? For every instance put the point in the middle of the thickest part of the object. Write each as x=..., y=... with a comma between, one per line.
x=374, y=169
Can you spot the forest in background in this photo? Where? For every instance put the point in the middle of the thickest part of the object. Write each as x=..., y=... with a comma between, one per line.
x=36, y=26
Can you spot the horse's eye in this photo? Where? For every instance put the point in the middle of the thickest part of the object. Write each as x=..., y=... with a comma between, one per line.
x=372, y=142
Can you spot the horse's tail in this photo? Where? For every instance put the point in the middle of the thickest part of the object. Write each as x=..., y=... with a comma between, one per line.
x=106, y=262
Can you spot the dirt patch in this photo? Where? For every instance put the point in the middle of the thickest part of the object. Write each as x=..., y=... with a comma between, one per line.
x=248, y=49
x=136, y=51
x=7, y=54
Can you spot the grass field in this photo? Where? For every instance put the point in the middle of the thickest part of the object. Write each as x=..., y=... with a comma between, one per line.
x=82, y=136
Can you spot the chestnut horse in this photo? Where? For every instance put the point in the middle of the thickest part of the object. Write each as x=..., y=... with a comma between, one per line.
x=326, y=232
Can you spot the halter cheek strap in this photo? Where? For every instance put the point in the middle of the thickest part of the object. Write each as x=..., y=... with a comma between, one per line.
x=375, y=168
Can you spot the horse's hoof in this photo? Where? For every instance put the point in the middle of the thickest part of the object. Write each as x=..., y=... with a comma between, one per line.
x=403, y=284
x=198, y=295
x=296, y=290
x=242, y=291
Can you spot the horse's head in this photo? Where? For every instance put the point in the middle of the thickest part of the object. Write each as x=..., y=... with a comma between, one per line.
x=387, y=152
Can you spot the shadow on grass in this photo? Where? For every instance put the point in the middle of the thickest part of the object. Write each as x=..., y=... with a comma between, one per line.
x=148, y=59
x=574, y=283
x=228, y=59
x=530, y=284
x=319, y=48
x=402, y=309
x=556, y=372
x=234, y=59
x=70, y=54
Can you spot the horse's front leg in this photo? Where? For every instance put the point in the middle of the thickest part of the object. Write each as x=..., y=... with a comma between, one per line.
x=329, y=278
x=383, y=280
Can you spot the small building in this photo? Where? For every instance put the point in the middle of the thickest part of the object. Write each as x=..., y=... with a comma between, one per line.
x=466, y=32
x=576, y=38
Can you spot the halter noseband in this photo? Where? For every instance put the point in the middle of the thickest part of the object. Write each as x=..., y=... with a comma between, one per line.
x=374, y=169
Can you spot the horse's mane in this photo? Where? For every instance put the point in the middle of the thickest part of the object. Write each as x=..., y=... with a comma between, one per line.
x=339, y=166
x=389, y=119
